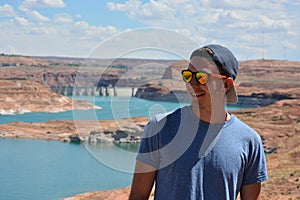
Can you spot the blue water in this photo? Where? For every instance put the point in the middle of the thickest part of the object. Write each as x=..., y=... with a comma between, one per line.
x=112, y=108
x=41, y=170
x=51, y=170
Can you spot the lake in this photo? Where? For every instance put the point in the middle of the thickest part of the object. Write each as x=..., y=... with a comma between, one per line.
x=41, y=170
x=50, y=170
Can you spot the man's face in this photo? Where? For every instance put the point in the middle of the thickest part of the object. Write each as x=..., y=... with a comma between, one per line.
x=207, y=94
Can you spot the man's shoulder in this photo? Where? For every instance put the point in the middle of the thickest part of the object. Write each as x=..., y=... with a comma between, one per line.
x=243, y=128
x=170, y=115
x=235, y=121
x=167, y=119
x=164, y=123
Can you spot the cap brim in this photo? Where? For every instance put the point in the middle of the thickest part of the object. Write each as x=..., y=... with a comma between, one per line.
x=231, y=95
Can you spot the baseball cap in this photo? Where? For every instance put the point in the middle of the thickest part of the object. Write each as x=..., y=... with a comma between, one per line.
x=226, y=61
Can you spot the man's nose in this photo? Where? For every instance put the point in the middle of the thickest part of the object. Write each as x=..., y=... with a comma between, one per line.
x=194, y=81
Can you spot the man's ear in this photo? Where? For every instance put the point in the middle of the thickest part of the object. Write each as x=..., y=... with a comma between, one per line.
x=228, y=83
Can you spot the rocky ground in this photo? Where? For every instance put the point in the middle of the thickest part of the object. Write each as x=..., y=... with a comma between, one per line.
x=279, y=126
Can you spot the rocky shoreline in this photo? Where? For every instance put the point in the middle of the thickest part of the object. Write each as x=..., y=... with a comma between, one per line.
x=114, y=131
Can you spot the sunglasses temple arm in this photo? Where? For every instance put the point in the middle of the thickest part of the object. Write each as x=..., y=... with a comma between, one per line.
x=218, y=76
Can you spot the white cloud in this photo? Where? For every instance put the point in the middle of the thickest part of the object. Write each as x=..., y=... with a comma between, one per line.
x=44, y=31
x=241, y=25
x=229, y=22
x=33, y=14
x=20, y=21
x=150, y=11
x=84, y=31
x=43, y=4
x=275, y=24
x=52, y=37
x=152, y=43
x=6, y=11
x=63, y=18
x=223, y=13
x=241, y=5
x=36, y=15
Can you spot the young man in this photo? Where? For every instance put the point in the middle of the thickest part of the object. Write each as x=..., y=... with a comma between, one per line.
x=201, y=151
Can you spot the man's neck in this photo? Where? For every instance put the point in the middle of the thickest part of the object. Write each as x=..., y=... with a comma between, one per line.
x=212, y=116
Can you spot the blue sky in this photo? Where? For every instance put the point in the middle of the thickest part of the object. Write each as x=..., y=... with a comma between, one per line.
x=252, y=29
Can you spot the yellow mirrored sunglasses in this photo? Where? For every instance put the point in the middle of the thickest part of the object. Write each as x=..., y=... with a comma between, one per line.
x=201, y=77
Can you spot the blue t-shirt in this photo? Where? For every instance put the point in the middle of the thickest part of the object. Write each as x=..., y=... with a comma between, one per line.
x=198, y=160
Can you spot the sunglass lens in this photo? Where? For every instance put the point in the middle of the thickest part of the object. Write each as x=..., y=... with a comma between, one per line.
x=187, y=76
x=201, y=77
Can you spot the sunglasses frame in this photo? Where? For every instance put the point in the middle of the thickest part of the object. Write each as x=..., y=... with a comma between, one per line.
x=194, y=74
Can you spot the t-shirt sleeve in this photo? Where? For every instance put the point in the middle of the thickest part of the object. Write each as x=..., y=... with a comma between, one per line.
x=149, y=146
x=255, y=169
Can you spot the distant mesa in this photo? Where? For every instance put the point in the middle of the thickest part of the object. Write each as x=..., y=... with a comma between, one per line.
x=259, y=83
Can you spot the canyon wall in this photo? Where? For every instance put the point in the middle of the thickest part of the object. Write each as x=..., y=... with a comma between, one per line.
x=259, y=82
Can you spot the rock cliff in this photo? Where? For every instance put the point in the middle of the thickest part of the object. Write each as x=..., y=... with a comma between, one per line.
x=20, y=96
x=259, y=83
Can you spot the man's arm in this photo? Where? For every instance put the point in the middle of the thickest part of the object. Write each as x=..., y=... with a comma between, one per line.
x=142, y=183
x=250, y=192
